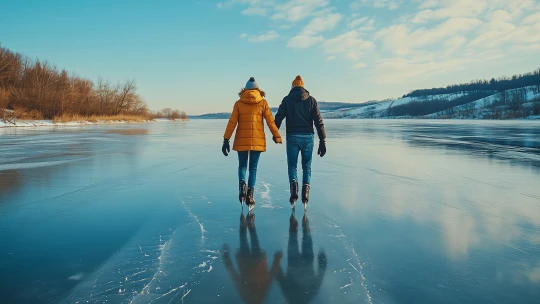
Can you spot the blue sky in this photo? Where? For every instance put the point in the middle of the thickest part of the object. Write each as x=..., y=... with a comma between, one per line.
x=196, y=55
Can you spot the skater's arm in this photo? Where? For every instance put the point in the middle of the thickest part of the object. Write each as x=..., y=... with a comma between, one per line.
x=280, y=115
x=277, y=272
x=270, y=122
x=230, y=268
x=322, y=270
x=233, y=120
x=276, y=266
x=317, y=120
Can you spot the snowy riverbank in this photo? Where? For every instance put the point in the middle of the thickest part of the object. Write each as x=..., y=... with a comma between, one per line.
x=50, y=123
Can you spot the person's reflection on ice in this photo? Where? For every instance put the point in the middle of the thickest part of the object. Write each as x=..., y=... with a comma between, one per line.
x=301, y=284
x=252, y=280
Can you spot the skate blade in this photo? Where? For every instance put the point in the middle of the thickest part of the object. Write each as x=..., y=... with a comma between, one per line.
x=305, y=207
x=293, y=205
x=251, y=207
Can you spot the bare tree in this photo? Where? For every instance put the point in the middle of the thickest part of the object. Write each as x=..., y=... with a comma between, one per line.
x=167, y=112
x=124, y=97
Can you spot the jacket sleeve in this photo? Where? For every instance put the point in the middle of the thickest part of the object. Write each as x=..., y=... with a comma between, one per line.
x=280, y=115
x=270, y=122
x=317, y=120
x=233, y=120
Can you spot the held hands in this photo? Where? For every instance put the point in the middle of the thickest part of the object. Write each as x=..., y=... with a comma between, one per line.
x=322, y=148
x=277, y=140
x=226, y=148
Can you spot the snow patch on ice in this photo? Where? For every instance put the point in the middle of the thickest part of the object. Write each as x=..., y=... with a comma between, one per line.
x=5, y=167
x=198, y=222
x=345, y=286
x=203, y=264
x=211, y=251
x=265, y=195
x=76, y=277
x=266, y=198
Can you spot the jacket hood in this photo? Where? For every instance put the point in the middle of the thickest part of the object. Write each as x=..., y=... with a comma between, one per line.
x=299, y=93
x=251, y=96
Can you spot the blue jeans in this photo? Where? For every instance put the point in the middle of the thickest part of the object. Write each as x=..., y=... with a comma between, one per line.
x=243, y=166
x=299, y=143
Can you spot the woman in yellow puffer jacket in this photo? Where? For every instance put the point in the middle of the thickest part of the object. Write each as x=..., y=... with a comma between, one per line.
x=250, y=140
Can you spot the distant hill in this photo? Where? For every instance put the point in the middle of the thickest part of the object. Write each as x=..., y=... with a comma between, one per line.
x=516, y=97
x=211, y=116
x=509, y=104
x=323, y=106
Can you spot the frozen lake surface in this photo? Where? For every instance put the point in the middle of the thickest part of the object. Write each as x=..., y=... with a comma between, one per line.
x=400, y=212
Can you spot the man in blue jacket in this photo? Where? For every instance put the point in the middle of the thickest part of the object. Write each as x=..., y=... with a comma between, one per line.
x=301, y=112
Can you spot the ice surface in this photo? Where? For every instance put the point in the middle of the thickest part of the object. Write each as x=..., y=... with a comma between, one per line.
x=400, y=212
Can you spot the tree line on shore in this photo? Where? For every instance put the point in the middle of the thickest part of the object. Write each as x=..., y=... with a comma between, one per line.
x=35, y=89
x=500, y=84
x=170, y=114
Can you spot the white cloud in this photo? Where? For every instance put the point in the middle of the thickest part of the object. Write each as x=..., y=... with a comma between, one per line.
x=269, y=36
x=532, y=19
x=395, y=38
x=516, y=7
x=428, y=4
x=500, y=34
x=441, y=36
x=359, y=65
x=349, y=44
x=364, y=24
x=230, y=3
x=401, y=40
x=454, y=8
x=500, y=16
x=534, y=274
x=304, y=41
x=396, y=70
x=455, y=42
x=444, y=30
x=390, y=4
x=526, y=48
x=254, y=11
x=357, y=22
x=320, y=24
x=297, y=10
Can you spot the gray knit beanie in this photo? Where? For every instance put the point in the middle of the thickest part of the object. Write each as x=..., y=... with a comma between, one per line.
x=251, y=84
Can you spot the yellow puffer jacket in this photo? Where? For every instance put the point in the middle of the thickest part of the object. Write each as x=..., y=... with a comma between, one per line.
x=248, y=113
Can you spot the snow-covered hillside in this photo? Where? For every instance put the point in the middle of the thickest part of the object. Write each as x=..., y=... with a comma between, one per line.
x=515, y=103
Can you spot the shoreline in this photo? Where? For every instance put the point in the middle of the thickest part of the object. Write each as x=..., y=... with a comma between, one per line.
x=51, y=123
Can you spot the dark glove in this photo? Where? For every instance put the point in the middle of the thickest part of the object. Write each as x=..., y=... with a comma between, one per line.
x=322, y=148
x=226, y=148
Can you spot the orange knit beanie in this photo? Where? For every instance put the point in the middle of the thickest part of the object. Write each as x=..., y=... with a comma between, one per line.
x=298, y=82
